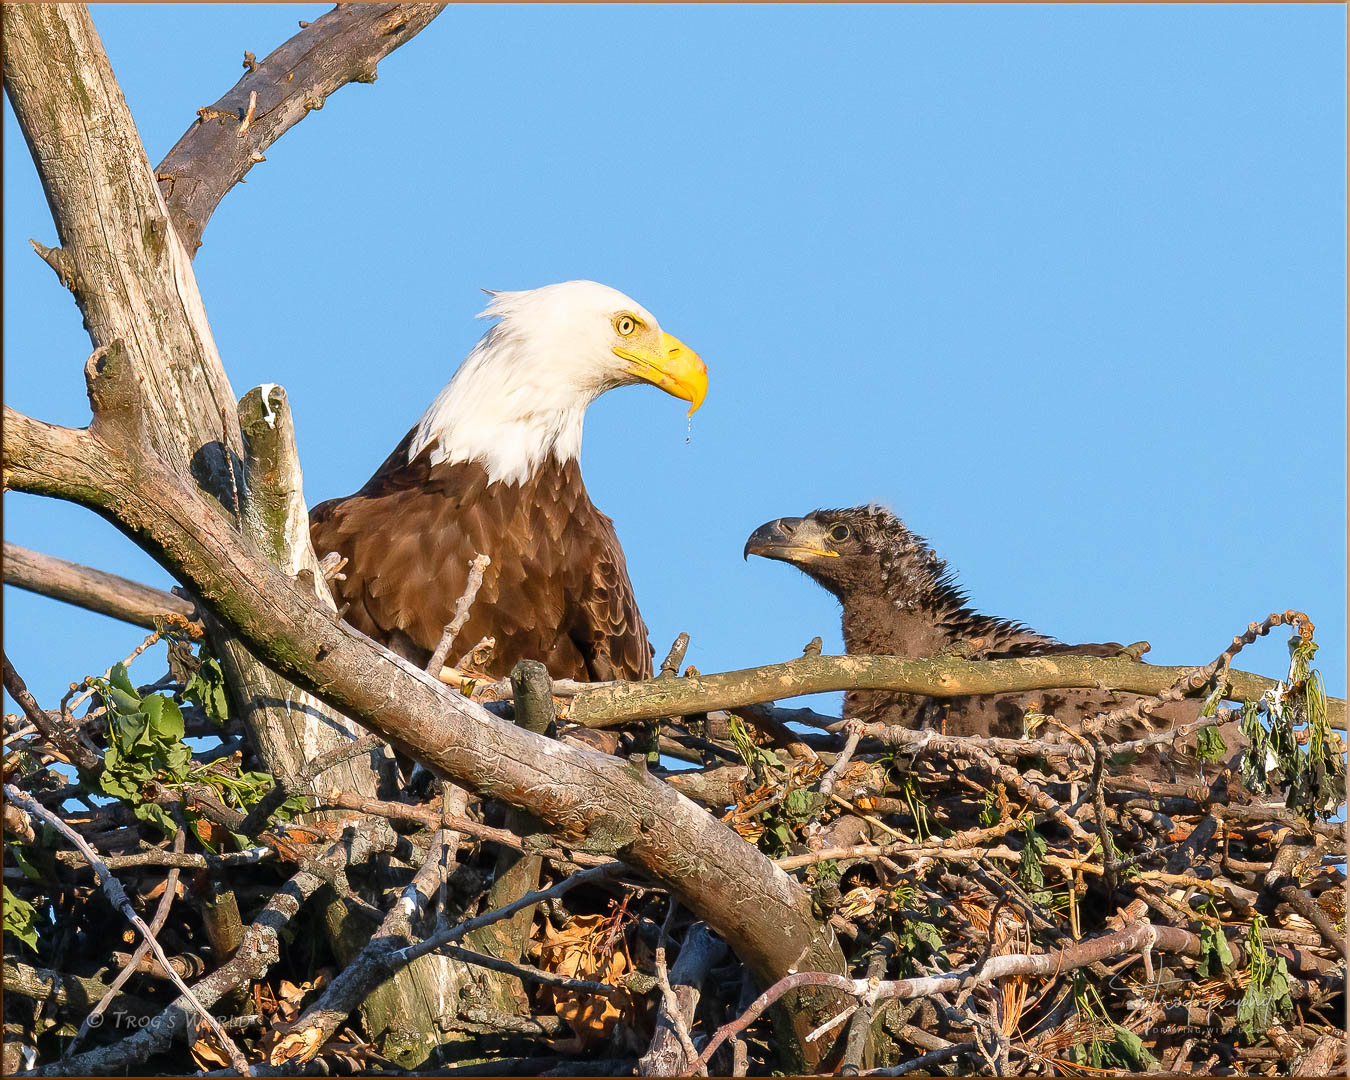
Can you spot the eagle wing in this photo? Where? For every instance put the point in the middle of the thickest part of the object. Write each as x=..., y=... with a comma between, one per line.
x=610, y=632
x=556, y=590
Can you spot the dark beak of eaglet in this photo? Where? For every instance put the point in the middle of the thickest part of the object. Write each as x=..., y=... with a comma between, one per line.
x=791, y=540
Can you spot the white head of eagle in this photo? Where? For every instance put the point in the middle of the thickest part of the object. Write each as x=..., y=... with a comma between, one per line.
x=522, y=391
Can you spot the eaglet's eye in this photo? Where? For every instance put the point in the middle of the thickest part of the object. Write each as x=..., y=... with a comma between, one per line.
x=839, y=533
x=625, y=325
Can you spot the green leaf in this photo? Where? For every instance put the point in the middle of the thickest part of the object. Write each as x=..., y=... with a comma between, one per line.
x=156, y=815
x=166, y=718
x=1029, y=866
x=124, y=703
x=1215, y=955
x=1134, y=1049
x=31, y=872
x=990, y=813
x=800, y=805
x=19, y=919
x=207, y=689
x=927, y=933
x=119, y=679
x=1210, y=746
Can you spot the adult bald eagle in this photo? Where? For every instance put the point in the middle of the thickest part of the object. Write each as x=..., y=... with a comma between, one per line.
x=492, y=468
x=900, y=599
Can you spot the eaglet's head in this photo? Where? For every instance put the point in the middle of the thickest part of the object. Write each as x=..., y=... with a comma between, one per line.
x=859, y=550
x=523, y=390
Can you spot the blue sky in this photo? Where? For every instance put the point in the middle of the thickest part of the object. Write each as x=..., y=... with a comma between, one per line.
x=1064, y=286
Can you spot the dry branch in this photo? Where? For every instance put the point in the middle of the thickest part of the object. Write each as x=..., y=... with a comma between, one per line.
x=622, y=703
x=229, y=138
x=95, y=590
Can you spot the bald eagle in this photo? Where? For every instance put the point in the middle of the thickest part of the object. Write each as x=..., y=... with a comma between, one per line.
x=492, y=468
x=900, y=598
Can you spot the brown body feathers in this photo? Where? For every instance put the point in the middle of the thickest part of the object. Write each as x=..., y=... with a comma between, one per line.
x=557, y=589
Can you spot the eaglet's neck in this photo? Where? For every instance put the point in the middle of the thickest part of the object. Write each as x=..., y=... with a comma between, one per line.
x=874, y=625
x=510, y=426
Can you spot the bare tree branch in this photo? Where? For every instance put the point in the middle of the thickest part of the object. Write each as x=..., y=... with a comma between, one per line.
x=95, y=590
x=229, y=137
x=623, y=703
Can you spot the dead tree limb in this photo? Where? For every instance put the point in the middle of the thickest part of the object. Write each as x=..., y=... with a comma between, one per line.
x=95, y=590
x=228, y=138
x=622, y=703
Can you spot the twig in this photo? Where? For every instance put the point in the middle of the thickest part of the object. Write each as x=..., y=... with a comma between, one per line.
x=477, y=565
x=113, y=888
x=126, y=661
x=529, y=973
x=56, y=734
x=855, y=731
x=581, y=877
x=1194, y=680
x=667, y=1053
x=283, y=789
x=433, y=819
x=670, y=1002
x=1137, y=937
x=923, y=1061
x=142, y=950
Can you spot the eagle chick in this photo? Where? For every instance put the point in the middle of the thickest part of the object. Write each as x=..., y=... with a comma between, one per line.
x=901, y=599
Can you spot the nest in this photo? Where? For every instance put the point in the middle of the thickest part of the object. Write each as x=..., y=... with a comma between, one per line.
x=1003, y=906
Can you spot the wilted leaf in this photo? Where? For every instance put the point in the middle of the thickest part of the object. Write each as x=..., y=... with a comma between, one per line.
x=582, y=950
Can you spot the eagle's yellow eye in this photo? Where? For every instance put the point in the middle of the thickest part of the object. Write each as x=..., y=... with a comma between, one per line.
x=625, y=325
x=839, y=533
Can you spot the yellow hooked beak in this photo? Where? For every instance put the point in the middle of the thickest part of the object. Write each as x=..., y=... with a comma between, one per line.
x=678, y=370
